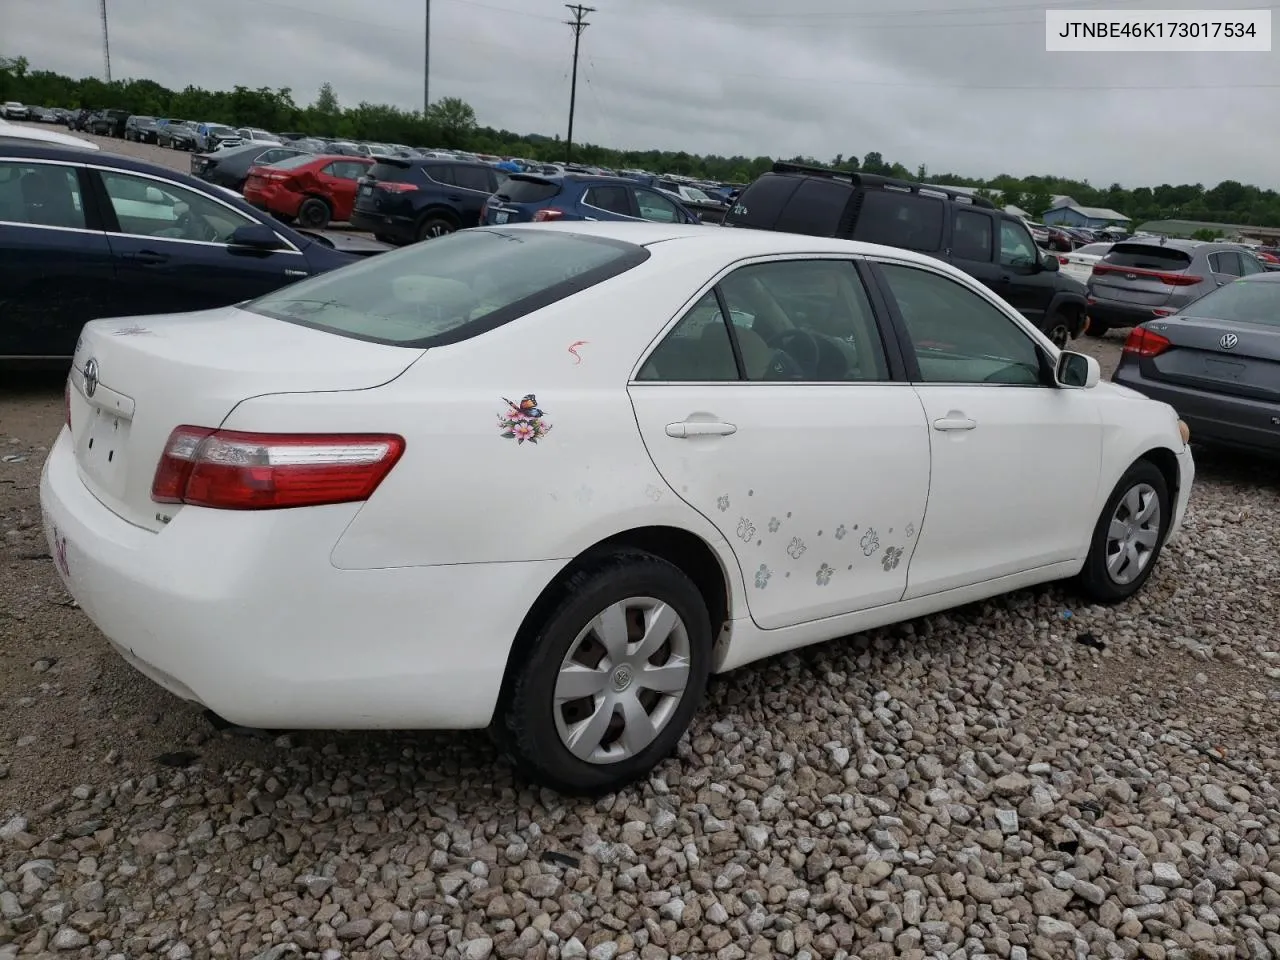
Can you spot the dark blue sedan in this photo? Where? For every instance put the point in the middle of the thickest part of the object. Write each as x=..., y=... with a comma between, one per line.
x=528, y=197
x=87, y=234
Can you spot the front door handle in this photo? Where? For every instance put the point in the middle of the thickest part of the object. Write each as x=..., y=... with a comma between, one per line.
x=147, y=257
x=700, y=428
x=954, y=423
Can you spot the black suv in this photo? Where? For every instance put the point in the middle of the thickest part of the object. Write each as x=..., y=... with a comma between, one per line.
x=404, y=200
x=967, y=232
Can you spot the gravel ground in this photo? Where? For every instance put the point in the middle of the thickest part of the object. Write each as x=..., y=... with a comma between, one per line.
x=1021, y=778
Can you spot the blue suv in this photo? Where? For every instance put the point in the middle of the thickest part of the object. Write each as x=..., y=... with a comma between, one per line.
x=533, y=198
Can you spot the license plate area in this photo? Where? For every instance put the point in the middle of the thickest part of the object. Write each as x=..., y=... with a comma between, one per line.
x=502, y=216
x=101, y=449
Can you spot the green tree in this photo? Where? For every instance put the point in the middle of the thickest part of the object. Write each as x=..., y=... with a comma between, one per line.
x=456, y=120
x=327, y=101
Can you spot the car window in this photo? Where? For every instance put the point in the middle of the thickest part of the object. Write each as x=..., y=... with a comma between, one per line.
x=697, y=349
x=653, y=206
x=40, y=194
x=971, y=236
x=899, y=219
x=1251, y=265
x=1227, y=262
x=815, y=208
x=1017, y=249
x=472, y=178
x=611, y=198
x=441, y=173
x=811, y=320
x=959, y=336
x=165, y=210
x=347, y=169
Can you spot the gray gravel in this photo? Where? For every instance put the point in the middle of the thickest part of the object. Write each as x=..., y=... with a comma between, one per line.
x=977, y=784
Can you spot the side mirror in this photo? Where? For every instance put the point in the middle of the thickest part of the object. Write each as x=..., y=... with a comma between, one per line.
x=1077, y=371
x=256, y=236
x=1049, y=263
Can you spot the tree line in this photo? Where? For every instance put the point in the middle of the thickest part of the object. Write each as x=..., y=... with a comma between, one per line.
x=452, y=123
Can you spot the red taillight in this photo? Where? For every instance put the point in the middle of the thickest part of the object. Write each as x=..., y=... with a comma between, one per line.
x=1172, y=279
x=1144, y=343
x=1063, y=260
x=397, y=187
x=1163, y=311
x=550, y=213
x=66, y=402
x=229, y=470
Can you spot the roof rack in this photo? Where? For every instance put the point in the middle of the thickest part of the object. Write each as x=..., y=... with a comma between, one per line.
x=890, y=183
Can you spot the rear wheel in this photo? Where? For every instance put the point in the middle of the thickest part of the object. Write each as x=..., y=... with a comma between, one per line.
x=435, y=226
x=613, y=676
x=1129, y=534
x=1060, y=328
x=313, y=214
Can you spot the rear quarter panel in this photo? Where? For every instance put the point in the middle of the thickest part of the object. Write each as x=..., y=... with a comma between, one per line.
x=464, y=493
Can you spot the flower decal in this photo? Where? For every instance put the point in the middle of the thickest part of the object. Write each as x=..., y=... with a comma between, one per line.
x=795, y=548
x=653, y=492
x=774, y=524
x=870, y=542
x=892, y=556
x=746, y=529
x=841, y=532
x=762, y=576
x=824, y=575
x=911, y=530
x=523, y=421
x=722, y=503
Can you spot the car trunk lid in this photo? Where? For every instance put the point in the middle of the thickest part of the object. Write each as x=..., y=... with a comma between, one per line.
x=387, y=179
x=1240, y=359
x=134, y=380
x=521, y=199
x=1146, y=274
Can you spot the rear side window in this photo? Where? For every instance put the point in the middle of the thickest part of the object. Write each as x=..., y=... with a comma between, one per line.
x=900, y=220
x=760, y=204
x=615, y=199
x=451, y=289
x=1148, y=256
x=473, y=178
x=815, y=208
x=971, y=236
x=525, y=189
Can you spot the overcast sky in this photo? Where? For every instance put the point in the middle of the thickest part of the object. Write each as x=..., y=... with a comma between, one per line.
x=958, y=85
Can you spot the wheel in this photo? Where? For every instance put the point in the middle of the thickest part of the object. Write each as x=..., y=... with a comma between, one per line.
x=1127, y=540
x=1095, y=328
x=313, y=214
x=613, y=676
x=1059, y=328
x=433, y=227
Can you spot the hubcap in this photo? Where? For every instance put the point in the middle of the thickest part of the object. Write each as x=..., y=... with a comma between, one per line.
x=622, y=680
x=1133, y=534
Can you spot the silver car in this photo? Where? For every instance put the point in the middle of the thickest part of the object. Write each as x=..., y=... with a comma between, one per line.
x=1140, y=280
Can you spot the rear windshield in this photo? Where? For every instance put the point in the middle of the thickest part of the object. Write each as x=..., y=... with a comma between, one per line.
x=290, y=163
x=520, y=189
x=1241, y=301
x=760, y=204
x=1094, y=249
x=1148, y=256
x=901, y=220
x=451, y=289
x=392, y=172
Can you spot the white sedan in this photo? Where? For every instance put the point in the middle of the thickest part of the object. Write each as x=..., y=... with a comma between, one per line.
x=1079, y=262
x=549, y=477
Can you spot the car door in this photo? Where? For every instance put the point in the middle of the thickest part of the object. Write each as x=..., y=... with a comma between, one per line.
x=474, y=184
x=1226, y=266
x=56, y=267
x=339, y=180
x=651, y=205
x=770, y=407
x=972, y=247
x=1015, y=460
x=172, y=252
x=607, y=201
x=1023, y=282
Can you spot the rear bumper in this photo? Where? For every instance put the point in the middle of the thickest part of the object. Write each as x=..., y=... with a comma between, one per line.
x=1251, y=425
x=246, y=615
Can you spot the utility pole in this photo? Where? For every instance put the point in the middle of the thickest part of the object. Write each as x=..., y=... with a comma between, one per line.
x=578, y=24
x=106, y=44
x=426, y=58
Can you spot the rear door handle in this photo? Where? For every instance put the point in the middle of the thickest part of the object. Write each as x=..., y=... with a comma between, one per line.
x=147, y=257
x=954, y=423
x=700, y=428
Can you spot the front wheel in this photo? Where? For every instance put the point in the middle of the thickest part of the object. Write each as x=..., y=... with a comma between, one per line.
x=613, y=676
x=1128, y=537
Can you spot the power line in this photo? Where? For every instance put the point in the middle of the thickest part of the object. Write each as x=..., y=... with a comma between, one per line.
x=578, y=24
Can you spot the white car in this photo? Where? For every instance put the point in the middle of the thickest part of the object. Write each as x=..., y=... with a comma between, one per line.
x=1078, y=264
x=549, y=477
x=13, y=110
x=13, y=131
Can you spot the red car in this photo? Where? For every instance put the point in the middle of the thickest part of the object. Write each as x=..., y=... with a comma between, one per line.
x=312, y=189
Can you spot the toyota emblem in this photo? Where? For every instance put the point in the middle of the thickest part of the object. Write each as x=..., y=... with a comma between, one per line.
x=90, y=377
x=1228, y=341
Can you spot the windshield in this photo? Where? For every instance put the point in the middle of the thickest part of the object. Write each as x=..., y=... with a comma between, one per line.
x=698, y=195
x=1241, y=301
x=450, y=289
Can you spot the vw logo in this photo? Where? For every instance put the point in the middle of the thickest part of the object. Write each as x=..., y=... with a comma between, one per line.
x=90, y=377
x=1228, y=341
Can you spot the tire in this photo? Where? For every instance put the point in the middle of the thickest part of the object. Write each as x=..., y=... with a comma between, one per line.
x=1059, y=328
x=1095, y=328
x=1141, y=485
x=314, y=214
x=533, y=729
x=435, y=226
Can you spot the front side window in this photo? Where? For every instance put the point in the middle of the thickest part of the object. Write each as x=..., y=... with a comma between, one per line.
x=1017, y=249
x=959, y=336
x=40, y=194
x=165, y=210
x=451, y=289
